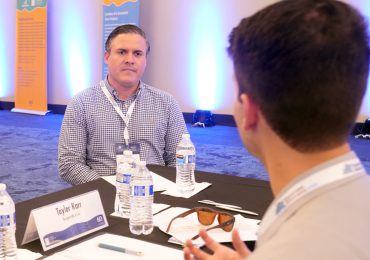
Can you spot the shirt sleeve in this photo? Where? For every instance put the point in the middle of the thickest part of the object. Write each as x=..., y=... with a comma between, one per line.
x=176, y=127
x=72, y=146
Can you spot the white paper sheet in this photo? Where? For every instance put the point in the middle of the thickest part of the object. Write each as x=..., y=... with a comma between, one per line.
x=160, y=183
x=111, y=179
x=185, y=228
x=157, y=207
x=169, y=187
x=172, y=190
x=27, y=254
x=89, y=250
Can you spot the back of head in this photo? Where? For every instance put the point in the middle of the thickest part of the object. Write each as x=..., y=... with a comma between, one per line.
x=305, y=63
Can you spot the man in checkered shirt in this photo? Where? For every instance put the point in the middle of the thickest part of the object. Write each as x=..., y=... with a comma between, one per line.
x=120, y=109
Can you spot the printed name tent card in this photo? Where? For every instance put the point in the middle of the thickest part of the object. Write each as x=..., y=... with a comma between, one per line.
x=58, y=223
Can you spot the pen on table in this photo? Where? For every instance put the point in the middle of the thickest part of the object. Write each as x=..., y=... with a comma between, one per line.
x=238, y=210
x=210, y=202
x=120, y=249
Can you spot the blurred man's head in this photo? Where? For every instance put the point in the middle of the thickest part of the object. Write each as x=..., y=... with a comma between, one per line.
x=126, y=49
x=304, y=63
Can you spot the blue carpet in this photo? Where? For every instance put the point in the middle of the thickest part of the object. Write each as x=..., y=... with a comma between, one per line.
x=28, y=164
x=28, y=161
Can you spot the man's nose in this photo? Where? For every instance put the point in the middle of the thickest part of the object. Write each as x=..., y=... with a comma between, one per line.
x=129, y=58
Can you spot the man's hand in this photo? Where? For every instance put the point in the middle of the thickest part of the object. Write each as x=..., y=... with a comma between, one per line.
x=219, y=251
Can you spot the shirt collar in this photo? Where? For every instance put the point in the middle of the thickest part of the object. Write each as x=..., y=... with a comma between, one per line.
x=317, y=168
x=114, y=93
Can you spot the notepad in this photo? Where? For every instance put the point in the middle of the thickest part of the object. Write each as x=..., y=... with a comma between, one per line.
x=89, y=249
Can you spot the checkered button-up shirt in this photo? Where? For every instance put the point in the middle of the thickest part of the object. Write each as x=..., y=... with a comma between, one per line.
x=91, y=128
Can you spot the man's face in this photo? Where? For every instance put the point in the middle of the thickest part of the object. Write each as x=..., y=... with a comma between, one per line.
x=126, y=60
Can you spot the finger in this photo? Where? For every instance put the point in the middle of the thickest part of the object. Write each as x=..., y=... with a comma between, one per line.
x=189, y=244
x=210, y=243
x=199, y=254
x=239, y=244
x=187, y=253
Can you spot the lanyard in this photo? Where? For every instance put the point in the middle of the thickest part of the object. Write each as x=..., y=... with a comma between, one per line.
x=331, y=174
x=125, y=118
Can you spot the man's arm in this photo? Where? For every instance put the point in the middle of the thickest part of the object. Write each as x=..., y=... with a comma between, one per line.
x=175, y=128
x=72, y=146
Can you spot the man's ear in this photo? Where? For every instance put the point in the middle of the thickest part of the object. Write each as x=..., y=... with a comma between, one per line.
x=250, y=110
x=106, y=56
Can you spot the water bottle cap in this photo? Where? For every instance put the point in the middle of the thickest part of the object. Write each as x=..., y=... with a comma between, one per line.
x=136, y=157
x=127, y=152
x=186, y=135
x=2, y=186
x=141, y=163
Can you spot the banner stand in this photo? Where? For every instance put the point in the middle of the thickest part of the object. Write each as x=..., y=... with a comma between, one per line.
x=29, y=111
x=115, y=13
x=31, y=57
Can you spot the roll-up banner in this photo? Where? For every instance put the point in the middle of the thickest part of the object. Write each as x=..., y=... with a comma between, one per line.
x=115, y=13
x=31, y=49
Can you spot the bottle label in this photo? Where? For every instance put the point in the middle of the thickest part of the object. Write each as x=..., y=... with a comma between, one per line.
x=184, y=159
x=123, y=178
x=7, y=220
x=126, y=178
x=142, y=190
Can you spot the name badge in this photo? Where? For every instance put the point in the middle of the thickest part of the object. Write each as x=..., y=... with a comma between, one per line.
x=66, y=220
x=120, y=147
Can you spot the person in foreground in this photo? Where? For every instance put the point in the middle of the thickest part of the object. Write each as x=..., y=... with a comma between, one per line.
x=120, y=109
x=301, y=68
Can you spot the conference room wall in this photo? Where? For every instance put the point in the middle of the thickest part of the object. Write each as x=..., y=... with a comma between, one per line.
x=181, y=32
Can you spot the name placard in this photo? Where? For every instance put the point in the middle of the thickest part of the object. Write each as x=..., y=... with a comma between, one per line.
x=64, y=221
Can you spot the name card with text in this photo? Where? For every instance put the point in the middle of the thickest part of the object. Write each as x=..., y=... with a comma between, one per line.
x=66, y=220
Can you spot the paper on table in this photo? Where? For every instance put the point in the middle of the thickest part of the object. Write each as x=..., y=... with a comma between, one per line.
x=89, y=249
x=111, y=179
x=172, y=191
x=157, y=207
x=160, y=183
x=27, y=254
x=185, y=228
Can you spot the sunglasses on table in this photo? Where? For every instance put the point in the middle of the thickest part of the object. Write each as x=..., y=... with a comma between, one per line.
x=206, y=217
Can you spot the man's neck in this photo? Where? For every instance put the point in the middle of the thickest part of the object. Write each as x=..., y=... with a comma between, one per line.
x=124, y=92
x=284, y=163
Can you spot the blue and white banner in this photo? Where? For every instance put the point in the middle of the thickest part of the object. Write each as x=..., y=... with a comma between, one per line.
x=115, y=13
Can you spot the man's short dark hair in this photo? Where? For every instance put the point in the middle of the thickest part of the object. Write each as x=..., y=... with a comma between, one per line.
x=124, y=29
x=305, y=63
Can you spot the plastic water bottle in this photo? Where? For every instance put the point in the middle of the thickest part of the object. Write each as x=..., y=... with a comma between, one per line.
x=135, y=160
x=185, y=165
x=8, y=246
x=141, y=217
x=123, y=177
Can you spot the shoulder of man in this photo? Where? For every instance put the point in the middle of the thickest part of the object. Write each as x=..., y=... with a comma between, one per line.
x=87, y=93
x=156, y=93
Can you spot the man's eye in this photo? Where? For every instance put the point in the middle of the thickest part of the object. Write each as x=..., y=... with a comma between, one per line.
x=138, y=53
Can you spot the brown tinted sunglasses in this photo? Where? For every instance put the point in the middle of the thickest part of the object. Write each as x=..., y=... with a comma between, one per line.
x=206, y=216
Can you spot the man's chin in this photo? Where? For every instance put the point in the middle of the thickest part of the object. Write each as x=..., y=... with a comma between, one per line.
x=129, y=83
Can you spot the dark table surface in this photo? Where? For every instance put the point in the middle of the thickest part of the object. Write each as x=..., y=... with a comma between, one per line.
x=250, y=194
